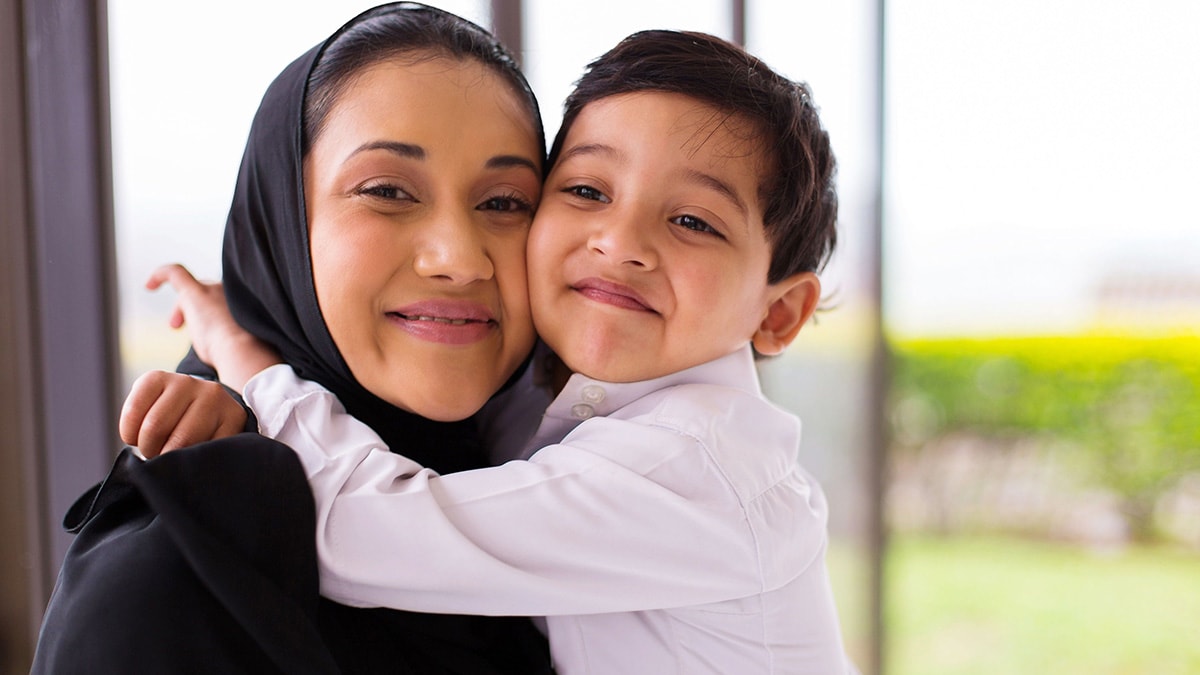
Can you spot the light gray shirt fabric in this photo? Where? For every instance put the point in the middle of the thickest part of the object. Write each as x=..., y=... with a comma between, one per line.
x=659, y=527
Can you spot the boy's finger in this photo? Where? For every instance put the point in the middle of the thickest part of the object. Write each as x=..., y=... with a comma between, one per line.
x=162, y=421
x=187, y=432
x=211, y=414
x=132, y=414
x=177, y=318
x=175, y=274
x=152, y=435
x=142, y=395
x=229, y=416
x=149, y=444
x=231, y=424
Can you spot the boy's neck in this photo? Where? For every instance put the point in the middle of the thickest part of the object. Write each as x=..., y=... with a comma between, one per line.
x=554, y=373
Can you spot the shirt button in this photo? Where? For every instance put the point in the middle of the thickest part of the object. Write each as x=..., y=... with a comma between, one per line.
x=582, y=411
x=592, y=393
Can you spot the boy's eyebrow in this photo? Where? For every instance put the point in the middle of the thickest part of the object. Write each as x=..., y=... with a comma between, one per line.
x=716, y=184
x=590, y=149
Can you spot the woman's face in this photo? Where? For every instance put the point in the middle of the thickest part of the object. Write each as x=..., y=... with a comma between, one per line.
x=420, y=193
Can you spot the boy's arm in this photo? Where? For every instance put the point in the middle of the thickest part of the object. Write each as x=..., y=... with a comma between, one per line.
x=593, y=525
x=217, y=338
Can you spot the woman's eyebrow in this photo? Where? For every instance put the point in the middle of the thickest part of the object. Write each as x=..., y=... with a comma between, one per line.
x=511, y=161
x=406, y=150
x=413, y=151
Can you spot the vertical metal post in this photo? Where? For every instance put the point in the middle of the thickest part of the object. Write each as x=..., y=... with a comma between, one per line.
x=737, y=22
x=58, y=357
x=23, y=570
x=880, y=358
x=72, y=258
x=507, y=18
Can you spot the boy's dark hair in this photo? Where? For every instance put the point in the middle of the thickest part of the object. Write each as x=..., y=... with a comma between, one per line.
x=405, y=29
x=798, y=195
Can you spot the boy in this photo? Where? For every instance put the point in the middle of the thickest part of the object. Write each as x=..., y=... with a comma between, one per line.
x=660, y=521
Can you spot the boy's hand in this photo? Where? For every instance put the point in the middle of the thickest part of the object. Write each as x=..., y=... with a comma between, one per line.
x=218, y=340
x=166, y=411
x=201, y=307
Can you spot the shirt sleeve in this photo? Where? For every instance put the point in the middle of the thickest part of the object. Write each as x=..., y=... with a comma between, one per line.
x=586, y=526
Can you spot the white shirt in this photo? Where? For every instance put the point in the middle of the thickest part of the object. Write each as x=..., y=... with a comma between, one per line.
x=663, y=526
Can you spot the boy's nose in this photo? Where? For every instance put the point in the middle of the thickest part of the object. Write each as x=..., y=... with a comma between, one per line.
x=453, y=248
x=625, y=239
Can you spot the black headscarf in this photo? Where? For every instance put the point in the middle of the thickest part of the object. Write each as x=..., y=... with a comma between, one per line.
x=269, y=285
x=268, y=271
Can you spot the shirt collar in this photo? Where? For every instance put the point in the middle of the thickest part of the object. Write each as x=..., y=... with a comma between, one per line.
x=584, y=397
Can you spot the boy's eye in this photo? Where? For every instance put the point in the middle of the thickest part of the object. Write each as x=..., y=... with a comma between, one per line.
x=589, y=193
x=506, y=203
x=695, y=224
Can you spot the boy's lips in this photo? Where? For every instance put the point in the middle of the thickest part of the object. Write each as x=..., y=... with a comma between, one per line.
x=611, y=293
x=455, y=322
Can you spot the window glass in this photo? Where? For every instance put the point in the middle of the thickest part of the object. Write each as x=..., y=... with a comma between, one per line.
x=562, y=37
x=1043, y=300
x=826, y=377
x=1037, y=154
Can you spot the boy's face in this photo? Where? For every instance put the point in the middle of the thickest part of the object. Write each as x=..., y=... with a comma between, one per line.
x=648, y=254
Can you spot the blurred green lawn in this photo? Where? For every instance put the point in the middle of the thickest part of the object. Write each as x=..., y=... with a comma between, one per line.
x=994, y=605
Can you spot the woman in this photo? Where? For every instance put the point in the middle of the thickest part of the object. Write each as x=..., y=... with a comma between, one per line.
x=380, y=211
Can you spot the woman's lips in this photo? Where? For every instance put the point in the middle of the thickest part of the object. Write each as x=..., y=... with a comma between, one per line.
x=451, y=322
x=611, y=293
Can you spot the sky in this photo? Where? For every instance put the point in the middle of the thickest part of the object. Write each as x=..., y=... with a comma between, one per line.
x=1033, y=150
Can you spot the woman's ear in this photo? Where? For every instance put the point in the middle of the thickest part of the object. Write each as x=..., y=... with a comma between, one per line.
x=792, y=303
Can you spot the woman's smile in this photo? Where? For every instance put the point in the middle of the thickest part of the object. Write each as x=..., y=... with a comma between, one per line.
x=451, y=322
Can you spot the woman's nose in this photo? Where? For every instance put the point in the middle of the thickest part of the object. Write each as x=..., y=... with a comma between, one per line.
x=625, y=237
x=453, y=249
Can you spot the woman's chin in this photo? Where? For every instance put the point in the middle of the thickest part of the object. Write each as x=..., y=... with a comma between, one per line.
x=444, y=385
x=440, y=409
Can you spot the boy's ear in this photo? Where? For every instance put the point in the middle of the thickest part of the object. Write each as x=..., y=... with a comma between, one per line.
x=792, y=303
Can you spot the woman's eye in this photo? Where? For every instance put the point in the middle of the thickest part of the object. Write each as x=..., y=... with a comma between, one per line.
x=385, y=191
x=588, y=192
x=696, y=224
x=506, y=203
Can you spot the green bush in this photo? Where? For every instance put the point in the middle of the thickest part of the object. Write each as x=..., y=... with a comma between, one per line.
x=1132, y=404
